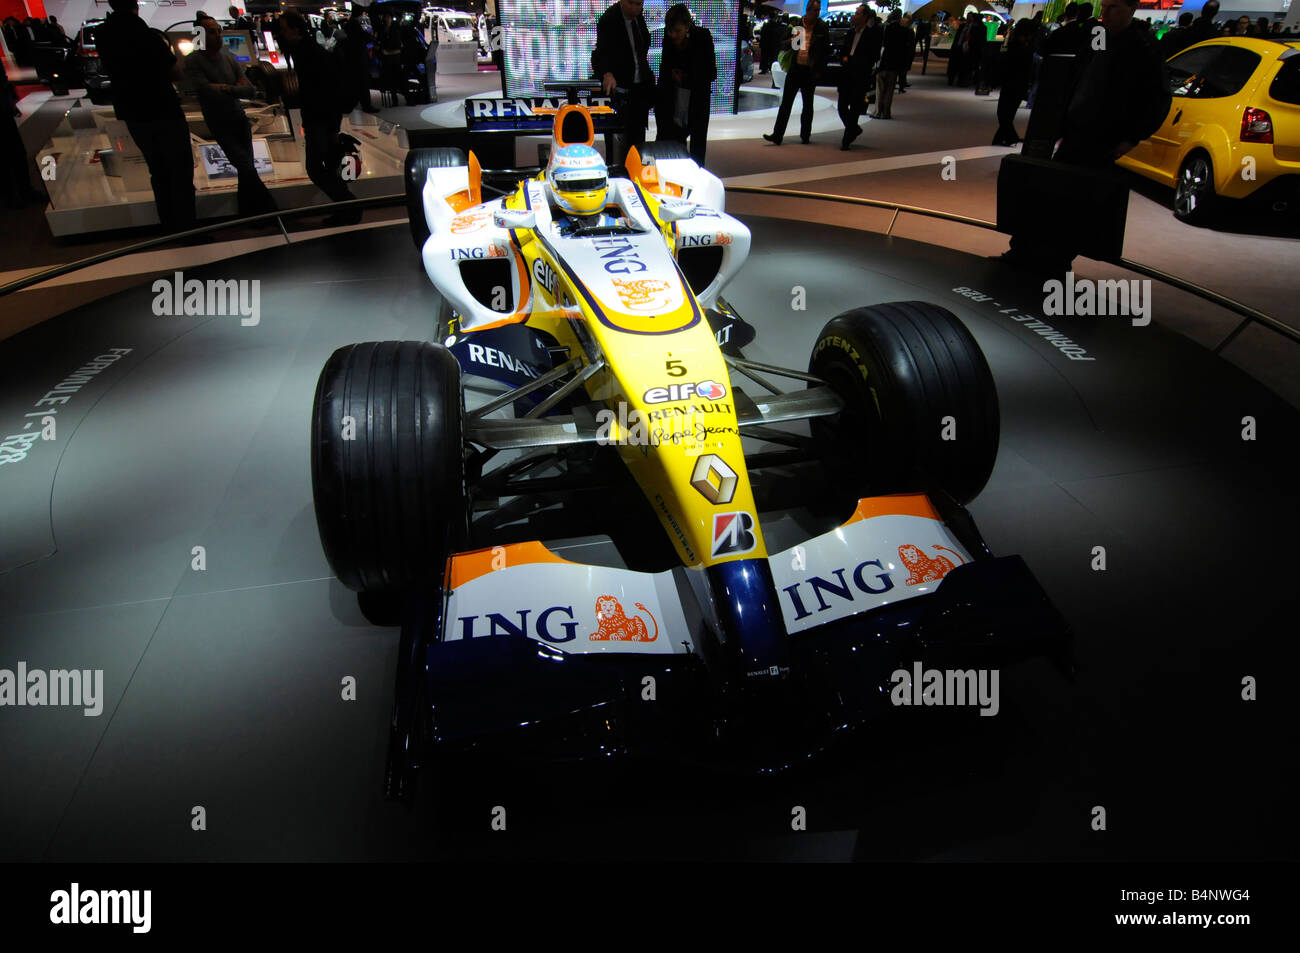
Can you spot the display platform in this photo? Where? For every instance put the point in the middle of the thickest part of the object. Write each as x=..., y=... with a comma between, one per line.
x=185, y=438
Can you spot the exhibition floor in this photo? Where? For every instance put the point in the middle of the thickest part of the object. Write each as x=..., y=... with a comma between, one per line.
x=897, y=161
x=222, y=686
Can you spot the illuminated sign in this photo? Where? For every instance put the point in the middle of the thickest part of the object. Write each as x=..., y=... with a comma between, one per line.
x=550, y=41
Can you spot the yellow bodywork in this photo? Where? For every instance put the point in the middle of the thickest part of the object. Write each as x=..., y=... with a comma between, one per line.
x=683, y=453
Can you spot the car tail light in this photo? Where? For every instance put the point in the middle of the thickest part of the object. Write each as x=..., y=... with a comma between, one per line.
x=1256, y=126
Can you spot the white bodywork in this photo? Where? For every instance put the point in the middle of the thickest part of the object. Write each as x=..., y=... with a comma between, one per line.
x=472, y=235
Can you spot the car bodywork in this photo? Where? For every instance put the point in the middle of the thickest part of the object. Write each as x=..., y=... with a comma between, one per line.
x=769, y=654
x=1214, y=84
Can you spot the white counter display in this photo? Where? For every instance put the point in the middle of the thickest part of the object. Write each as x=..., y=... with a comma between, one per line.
x=458, y=57
x=101, y=181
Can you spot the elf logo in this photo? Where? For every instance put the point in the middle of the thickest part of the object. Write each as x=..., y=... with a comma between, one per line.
x=708, y=390
x=732, y=534
x=545, y=276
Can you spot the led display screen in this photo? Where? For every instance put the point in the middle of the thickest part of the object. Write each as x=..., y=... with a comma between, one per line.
x=550, y=41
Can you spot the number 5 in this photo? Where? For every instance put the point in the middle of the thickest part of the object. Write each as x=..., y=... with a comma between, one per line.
x=675, y=369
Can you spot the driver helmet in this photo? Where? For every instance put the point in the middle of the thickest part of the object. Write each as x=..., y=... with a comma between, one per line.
x=578, y=179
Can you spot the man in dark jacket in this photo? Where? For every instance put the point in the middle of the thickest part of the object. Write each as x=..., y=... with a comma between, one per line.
x=621, y=62
x=1179, y=38
x=895, y=57
x=857, y=56
x=1205, y=27
x=322, y=93
x=357, y=58
x=686, y=75
x=811, y=43
x=1068, y=37
x=1122, y=95
x=769, y=43
x=142, y=67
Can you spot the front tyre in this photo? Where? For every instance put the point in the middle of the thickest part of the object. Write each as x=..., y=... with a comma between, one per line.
x=387, y=465
x=920, y=405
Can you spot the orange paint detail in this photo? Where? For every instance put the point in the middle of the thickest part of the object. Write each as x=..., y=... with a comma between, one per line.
x=562, y=114
x=459, y=201
x=475, y=180
x=508, y=319
x=466, y=567
x=612, y=624
x=635, y=171
x=897, y=504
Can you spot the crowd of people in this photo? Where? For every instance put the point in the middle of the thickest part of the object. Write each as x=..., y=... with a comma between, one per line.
x=146, y=72
x=22, y=36
x=332, y=60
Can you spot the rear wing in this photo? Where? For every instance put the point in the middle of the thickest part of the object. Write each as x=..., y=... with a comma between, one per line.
x=533, y=115
x=493, y=123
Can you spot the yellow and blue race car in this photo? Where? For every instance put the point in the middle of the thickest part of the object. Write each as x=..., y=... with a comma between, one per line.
x=580, y=562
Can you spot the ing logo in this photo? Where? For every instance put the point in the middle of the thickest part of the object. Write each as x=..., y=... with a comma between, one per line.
x=922, y=568
x=613, y=624
x=644, y=295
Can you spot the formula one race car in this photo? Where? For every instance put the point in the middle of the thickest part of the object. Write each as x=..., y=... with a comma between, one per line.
x=628, y=429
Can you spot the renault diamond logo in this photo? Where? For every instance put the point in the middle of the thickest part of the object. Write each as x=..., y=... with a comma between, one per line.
x=714, y=479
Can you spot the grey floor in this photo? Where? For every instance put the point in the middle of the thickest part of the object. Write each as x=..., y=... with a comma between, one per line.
x=223, y=687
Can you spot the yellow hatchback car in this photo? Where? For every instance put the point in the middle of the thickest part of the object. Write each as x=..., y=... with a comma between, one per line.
x=1233, y=129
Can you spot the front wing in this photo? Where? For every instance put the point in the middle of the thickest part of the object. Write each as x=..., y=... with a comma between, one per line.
x=524, y=654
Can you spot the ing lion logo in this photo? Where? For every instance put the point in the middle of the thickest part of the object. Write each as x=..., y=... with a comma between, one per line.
x=470, y=221
x=722, y=238
x=613, y=625
x=642, y=294
x=922, y=568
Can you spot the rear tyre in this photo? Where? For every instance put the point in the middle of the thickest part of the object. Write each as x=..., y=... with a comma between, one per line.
x=266, y=76
x=667, y=149
x=389, y=492
x=418, y=164
x=1195, y=201
x=901, y=370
